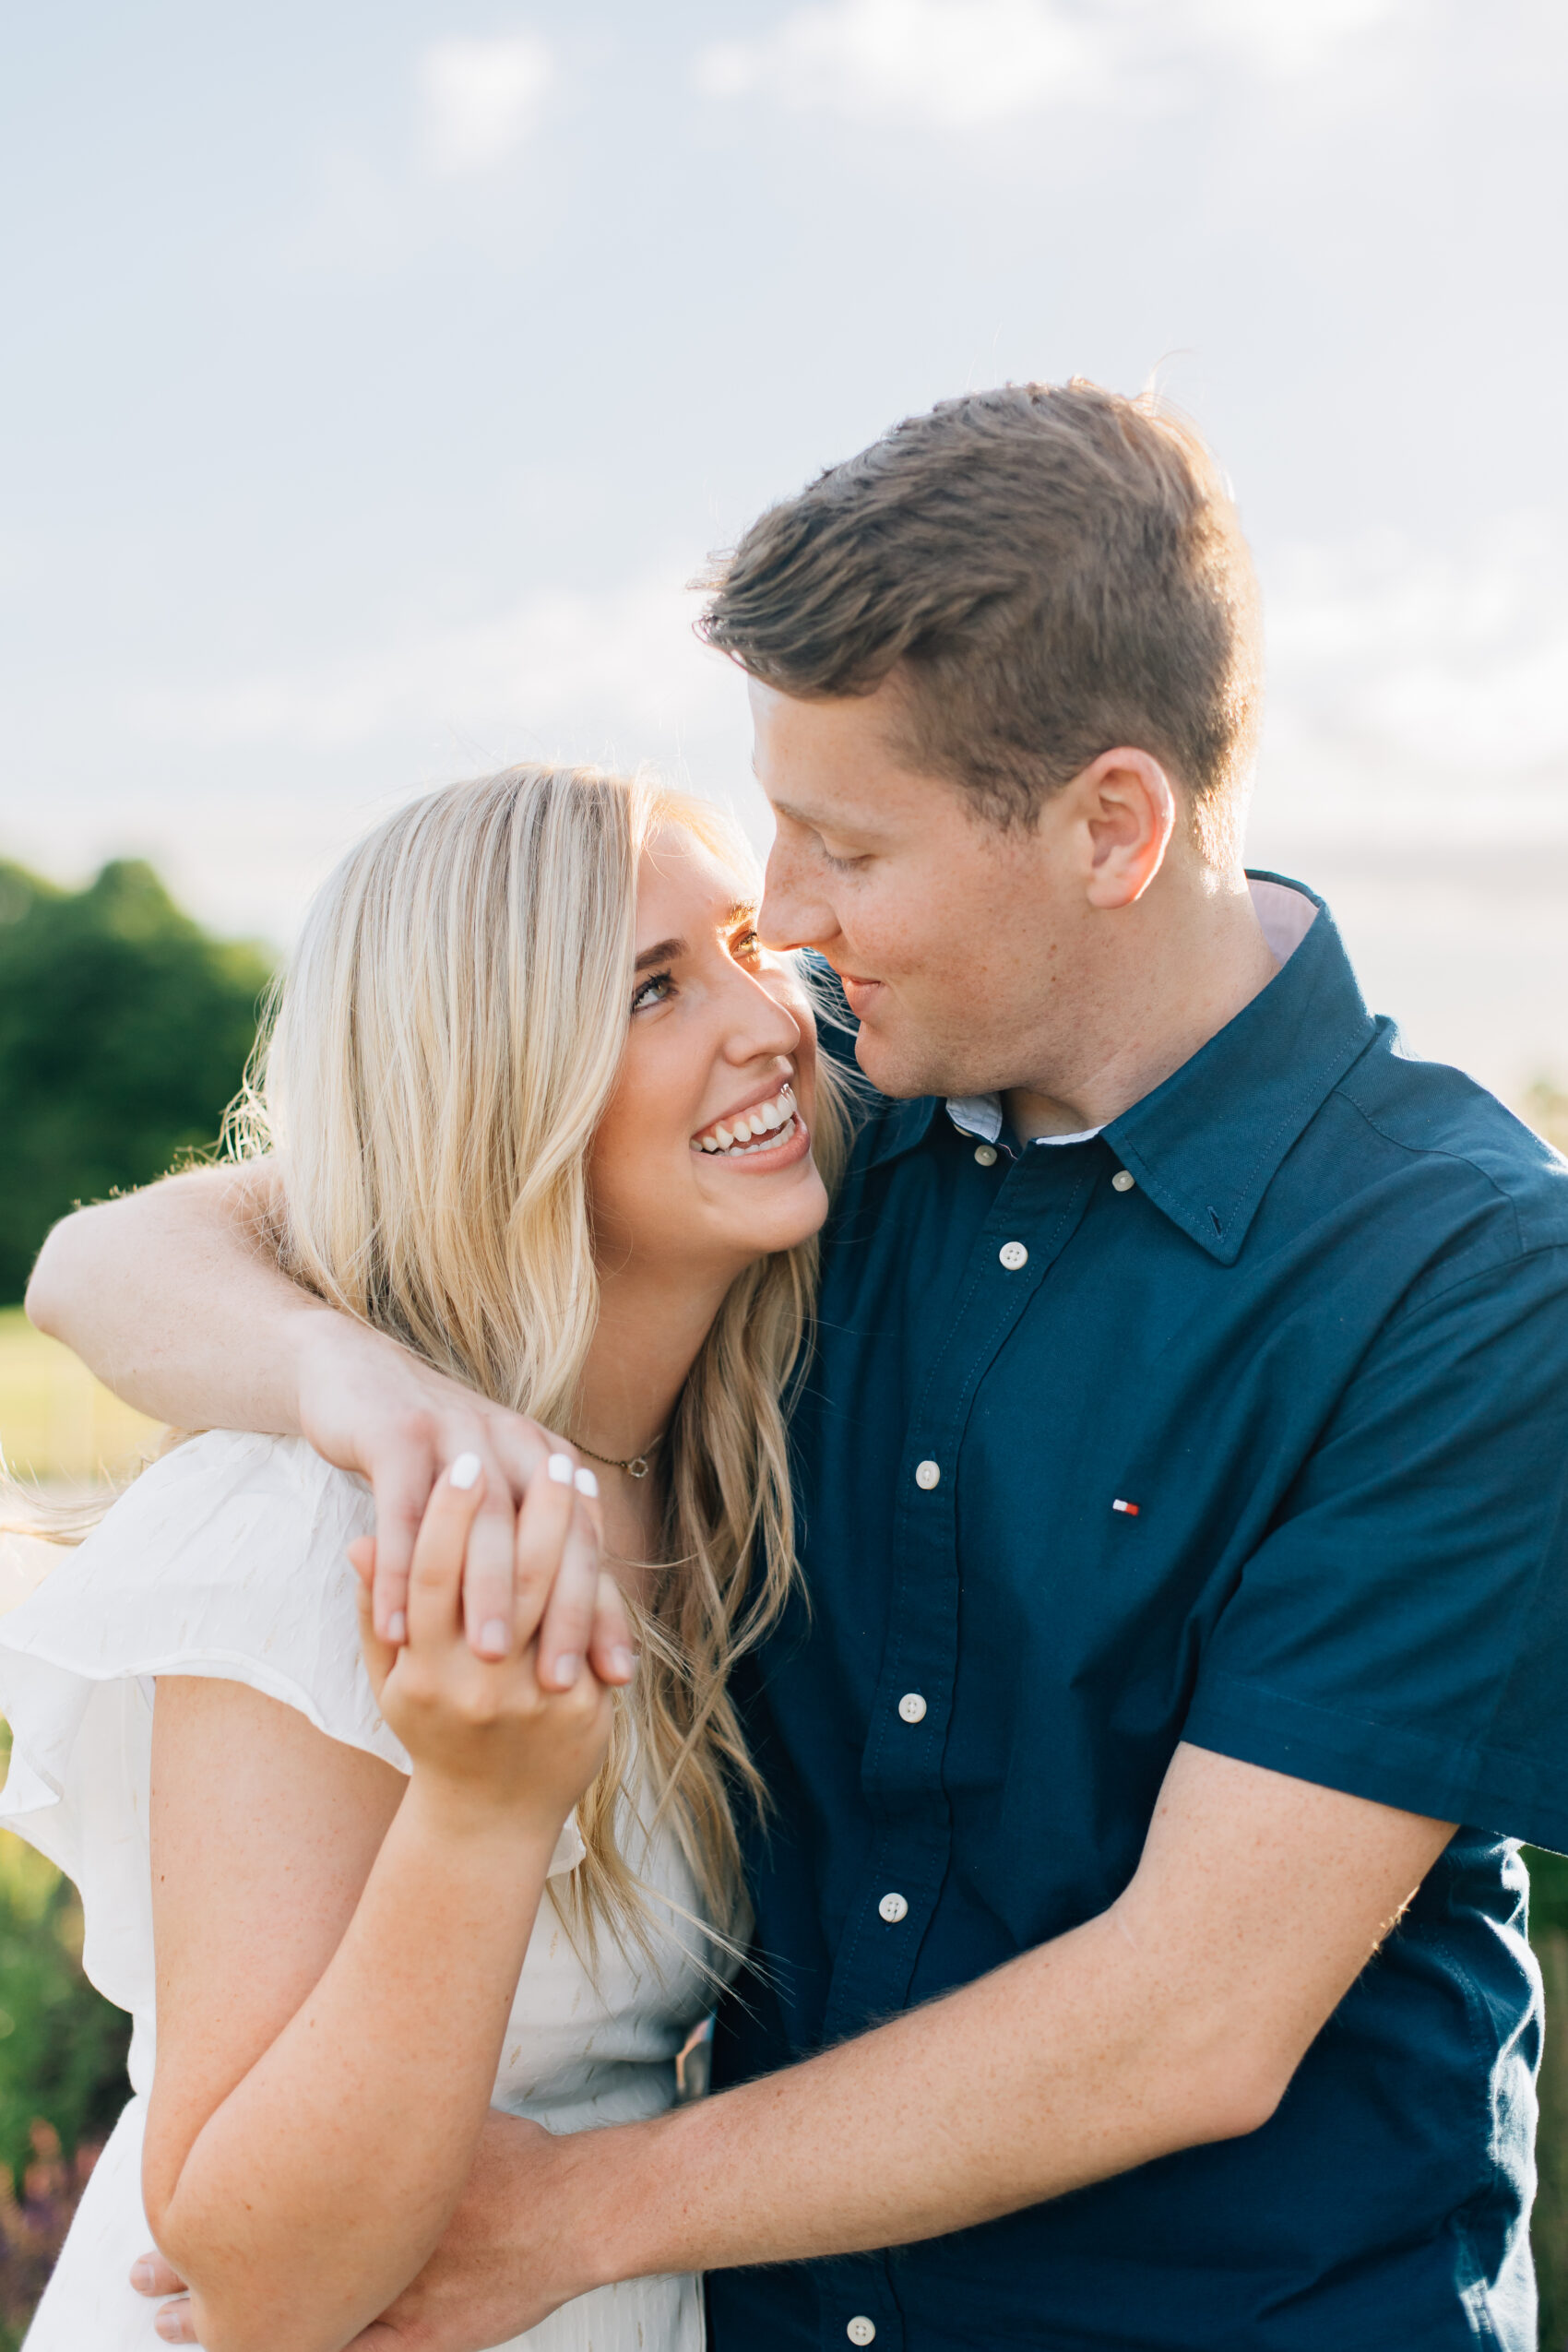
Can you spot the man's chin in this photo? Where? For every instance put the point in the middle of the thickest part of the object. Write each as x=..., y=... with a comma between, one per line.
x=902, y=1072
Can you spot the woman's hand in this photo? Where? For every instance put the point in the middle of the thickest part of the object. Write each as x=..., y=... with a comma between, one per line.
x=486, y=1735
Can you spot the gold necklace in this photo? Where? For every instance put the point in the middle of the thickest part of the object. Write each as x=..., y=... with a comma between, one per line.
x=635, y=1465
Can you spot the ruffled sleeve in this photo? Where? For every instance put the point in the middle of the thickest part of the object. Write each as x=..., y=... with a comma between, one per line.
x=228, y=1560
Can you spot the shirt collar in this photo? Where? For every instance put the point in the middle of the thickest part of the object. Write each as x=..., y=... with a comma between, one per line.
x=1205, y=1146
x=903, y=1127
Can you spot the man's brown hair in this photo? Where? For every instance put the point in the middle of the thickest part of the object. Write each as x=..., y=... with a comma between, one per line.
x=1051, y=570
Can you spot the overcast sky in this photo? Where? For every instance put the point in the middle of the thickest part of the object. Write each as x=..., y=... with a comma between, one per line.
x=377, y=375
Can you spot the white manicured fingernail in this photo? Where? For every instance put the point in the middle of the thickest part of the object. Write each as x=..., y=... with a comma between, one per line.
x=464, y=1471
x=493, y=1637
x=588, y=1484
x=623, y=1663
x=396, y=1627
x=560, y=1469
x=567, y=1671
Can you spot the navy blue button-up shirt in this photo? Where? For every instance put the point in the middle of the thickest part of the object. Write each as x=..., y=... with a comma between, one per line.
x=1265, y=1449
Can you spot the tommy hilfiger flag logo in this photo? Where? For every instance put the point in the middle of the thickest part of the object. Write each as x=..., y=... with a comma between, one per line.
x=1130, y=1508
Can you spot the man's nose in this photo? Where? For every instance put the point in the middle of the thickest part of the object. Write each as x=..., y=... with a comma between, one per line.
x=791, y=914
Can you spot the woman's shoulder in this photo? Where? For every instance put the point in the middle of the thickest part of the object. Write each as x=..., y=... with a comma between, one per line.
x=227, y=1557
x=238, y=1481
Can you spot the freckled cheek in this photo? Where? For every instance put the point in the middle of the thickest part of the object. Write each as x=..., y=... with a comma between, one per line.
x=873, y=944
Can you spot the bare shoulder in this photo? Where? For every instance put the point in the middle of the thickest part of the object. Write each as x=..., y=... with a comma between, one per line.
x=226, y=1753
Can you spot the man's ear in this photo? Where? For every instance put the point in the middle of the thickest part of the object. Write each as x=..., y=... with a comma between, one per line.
x=1128, y=811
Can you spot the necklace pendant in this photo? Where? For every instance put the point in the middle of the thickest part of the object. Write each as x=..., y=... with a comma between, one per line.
x=636, y=1468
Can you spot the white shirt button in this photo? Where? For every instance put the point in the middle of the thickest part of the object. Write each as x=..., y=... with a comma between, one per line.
x=986, y=1155
x=892, y=1908
x=1013, y=1255
x=926, y=1474
x=912, y=1706
x=861, y=2330
x=1122, y=1182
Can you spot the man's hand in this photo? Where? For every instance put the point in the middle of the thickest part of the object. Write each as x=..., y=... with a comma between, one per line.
x=495, y=2274
x=151, y=2274
x=483, y=2284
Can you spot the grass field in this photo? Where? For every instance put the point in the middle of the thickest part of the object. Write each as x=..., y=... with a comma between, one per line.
x=58, y=1425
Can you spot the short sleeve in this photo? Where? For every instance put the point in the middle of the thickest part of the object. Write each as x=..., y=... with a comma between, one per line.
x=1401, y=1634
x=227, y=1558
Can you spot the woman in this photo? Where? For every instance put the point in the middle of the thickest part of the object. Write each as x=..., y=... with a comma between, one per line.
x=542, y=1108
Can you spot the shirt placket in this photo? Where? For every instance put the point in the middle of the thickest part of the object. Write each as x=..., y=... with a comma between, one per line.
x=1030, y=1222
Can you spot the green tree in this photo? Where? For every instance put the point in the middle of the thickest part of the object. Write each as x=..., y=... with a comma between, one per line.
x=124, y=1031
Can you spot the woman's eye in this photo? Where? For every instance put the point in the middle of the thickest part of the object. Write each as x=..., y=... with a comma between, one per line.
x=839, y=865
x=747, y=948
x=652, y=990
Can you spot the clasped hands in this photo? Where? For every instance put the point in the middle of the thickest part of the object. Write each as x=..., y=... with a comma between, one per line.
x=370, y=1407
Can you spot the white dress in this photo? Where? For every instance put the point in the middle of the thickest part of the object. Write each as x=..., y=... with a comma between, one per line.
x=227, y=1558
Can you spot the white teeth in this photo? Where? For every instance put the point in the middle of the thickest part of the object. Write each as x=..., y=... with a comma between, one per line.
x=769, y=1121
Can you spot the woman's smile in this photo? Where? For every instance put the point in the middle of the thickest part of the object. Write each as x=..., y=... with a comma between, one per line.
x=766, y=1135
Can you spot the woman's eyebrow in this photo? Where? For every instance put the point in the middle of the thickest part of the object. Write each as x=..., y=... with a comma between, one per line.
x=668, y=951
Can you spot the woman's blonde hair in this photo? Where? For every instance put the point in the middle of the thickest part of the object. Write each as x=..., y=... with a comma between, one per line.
x=430, y=1074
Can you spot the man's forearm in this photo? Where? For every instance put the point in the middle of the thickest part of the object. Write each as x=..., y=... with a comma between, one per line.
x=170, y=1298
x=1044, y=2075
x=1177, y=2016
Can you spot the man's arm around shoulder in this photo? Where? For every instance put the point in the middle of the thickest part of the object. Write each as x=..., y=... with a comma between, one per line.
x=173, y=1296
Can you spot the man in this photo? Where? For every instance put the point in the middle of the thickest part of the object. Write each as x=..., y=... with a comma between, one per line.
x=1184, y=1476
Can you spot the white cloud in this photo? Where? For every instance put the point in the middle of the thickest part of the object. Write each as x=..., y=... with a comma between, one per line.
x=955, y=63
x=1454, y=660
x=1284, y=37
x=1417, y=711
x=616, y=675
x=481, y=99
x=964, y=63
